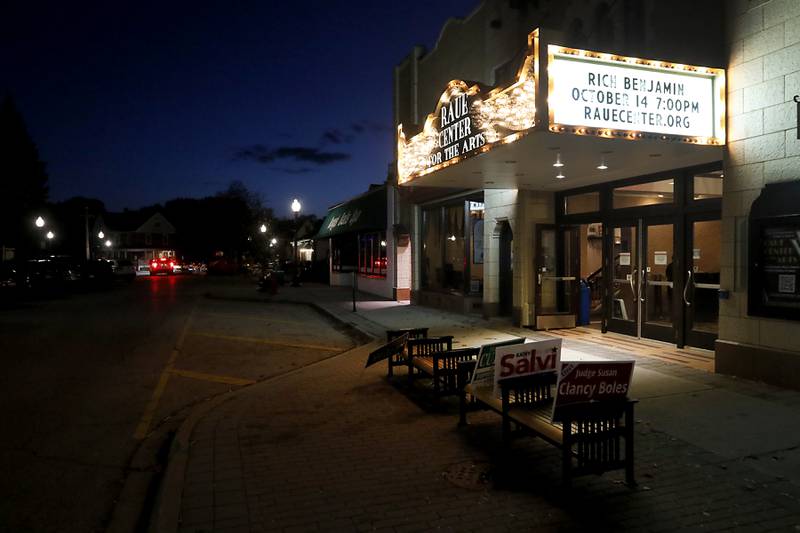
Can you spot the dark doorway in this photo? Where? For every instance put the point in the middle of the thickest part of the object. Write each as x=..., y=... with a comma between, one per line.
x=506, y=273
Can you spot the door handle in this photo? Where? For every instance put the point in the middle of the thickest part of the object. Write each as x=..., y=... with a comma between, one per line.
x=686, y=288
x=540, y=279
x=643, y=276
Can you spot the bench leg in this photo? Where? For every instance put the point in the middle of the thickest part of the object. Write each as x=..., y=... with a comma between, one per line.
x=436, y=387
x=390, y=373
x=462, y=408
x=629, y=478
x=566, y=453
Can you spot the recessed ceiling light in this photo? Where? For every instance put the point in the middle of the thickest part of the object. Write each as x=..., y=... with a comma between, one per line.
x=661, y=196
x=558, y=163
x=602, y=165
x=560, y=176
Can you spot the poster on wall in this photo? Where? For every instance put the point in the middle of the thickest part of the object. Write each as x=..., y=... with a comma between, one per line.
x=780, y=256
x=477, y=242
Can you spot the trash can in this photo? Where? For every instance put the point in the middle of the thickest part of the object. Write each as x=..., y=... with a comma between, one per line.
x=584, y=302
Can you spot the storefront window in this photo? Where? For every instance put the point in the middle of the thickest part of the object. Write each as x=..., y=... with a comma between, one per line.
x=431, y=265
x=588, y=202
x=707, y=185
x=372, y=254
x=344, y=255
x=454, y=249
x=476, y=244
x=650, y=193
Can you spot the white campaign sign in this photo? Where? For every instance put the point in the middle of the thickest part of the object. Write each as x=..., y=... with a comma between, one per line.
x=609, y=94
x=525, y=359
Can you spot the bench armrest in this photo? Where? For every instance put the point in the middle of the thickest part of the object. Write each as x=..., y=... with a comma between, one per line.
x=448, y=360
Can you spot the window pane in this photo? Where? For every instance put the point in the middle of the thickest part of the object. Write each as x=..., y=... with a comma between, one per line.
x=431, y=249
x=455, y=252
x=708, y=185
x=651, y=193
x=582, y=203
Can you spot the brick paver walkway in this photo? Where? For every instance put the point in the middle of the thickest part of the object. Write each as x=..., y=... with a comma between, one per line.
x=337, y=447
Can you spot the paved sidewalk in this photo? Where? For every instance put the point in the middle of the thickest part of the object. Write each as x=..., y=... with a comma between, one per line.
x=336, y=447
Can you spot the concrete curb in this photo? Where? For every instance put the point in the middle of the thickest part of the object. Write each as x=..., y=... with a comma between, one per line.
x=166, y=515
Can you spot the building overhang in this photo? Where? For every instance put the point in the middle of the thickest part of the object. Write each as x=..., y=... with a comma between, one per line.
x=586, y=109
x=528, y=163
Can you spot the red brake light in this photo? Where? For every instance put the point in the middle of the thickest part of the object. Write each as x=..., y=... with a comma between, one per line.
x=154, y=264
x=171, y=264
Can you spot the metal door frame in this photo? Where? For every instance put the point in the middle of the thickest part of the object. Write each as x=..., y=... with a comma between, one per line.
x=561, y=319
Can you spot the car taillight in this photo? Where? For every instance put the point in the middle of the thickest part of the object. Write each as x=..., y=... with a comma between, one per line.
x=154, y=264
x=171, y=264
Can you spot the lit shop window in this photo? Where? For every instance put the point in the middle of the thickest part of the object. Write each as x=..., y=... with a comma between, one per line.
x=708, y=185
x=588, y=202
x=372, y=254
x=650, y=193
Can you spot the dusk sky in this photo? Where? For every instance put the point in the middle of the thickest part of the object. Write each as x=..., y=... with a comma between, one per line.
x=135, y=103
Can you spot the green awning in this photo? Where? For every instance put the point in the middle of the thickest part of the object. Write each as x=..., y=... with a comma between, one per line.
x=366, y=212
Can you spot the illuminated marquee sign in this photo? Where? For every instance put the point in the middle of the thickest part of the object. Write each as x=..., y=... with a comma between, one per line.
x=467, y=122
x=615, y=96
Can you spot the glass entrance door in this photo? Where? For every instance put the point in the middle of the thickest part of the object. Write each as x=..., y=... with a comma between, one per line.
x=623, y=292
x=700, y=295
x=557, y=276
x=657, y=281
x=641, y=286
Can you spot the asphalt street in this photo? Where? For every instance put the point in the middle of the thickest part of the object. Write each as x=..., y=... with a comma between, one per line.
x=92, y=379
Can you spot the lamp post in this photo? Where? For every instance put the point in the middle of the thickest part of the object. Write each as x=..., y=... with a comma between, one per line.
x=296, y=210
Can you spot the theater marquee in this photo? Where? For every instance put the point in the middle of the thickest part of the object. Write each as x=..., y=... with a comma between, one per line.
x=587, y=93
x=615, y=96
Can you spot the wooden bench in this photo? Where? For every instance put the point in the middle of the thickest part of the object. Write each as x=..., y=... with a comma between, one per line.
x=425, y=348
x=442, y=368
x=400, y=360
x=589, y=436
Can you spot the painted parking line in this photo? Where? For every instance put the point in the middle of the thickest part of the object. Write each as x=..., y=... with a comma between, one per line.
x=266, y=319
x=143, y=428
x=258, y=340
x=228, y=380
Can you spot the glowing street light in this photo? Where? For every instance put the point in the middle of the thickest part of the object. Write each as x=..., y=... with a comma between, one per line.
x=100, y=234
x=274, y=241
x=50, y=235
x=263, y=228
x=39, y=222
x=108, y=243
x=296, y=210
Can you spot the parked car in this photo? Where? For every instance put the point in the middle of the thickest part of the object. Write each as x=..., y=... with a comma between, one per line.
x=123, y=269
x=162, y=265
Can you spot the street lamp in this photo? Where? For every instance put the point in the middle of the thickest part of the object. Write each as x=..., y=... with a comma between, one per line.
x=101, y=235
x=263, y=228
x=108, y=243
x=50, y=235
x=296, y=210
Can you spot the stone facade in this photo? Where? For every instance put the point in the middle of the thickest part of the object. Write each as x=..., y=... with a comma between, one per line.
x=763, y=38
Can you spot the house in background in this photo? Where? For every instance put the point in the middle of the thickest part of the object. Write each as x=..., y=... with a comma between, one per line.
x=134, y=236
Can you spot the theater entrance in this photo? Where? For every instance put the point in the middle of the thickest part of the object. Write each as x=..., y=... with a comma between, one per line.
x=639, y=257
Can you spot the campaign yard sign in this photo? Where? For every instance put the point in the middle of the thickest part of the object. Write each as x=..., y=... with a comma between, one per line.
x=483, y=376
x=588, y=381
x=524, y=360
